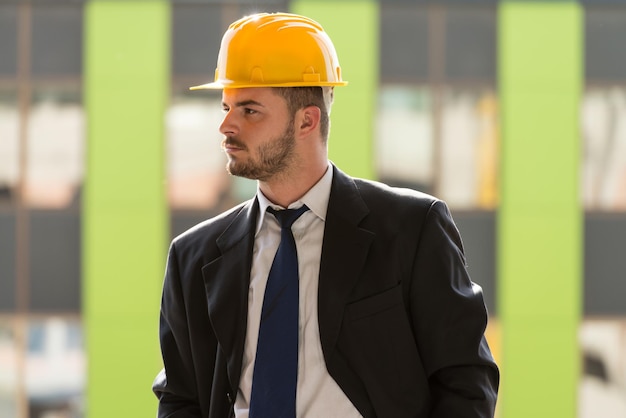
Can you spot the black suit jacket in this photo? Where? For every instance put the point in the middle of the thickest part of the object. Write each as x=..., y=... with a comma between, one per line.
x=401, y=324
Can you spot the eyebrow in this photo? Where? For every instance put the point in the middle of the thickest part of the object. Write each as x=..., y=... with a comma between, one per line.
x=244, y=103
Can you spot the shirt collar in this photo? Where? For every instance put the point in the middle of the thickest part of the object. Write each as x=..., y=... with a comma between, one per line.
x=316, y=199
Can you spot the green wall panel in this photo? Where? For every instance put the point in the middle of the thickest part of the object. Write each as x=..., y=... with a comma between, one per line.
x=354, y=28
x=126, y=80
x=540, y=219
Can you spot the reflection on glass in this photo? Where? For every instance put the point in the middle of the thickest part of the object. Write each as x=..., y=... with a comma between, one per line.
x=55, y=148
x=604, y=155
x=8, y=371
x=55, y=368
x=9, y=144
x=469, y=148
x=197, y=176
x=404, y=137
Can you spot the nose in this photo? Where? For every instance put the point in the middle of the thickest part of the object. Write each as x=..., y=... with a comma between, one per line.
x=228, y=127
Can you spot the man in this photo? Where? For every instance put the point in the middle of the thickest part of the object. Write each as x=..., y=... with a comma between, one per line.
x=386, y=321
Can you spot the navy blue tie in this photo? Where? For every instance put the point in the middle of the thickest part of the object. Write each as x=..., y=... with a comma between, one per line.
x=276, y=366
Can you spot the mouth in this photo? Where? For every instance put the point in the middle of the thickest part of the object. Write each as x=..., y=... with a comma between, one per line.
x=230, y=146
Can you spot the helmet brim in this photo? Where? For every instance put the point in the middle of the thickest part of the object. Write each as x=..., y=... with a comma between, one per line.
x=218, y=85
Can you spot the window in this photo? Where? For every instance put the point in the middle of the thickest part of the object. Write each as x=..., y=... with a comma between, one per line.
x=469, y=148
x=55, y=147
x=603, y=114
x=404, y=135
x=437, y=123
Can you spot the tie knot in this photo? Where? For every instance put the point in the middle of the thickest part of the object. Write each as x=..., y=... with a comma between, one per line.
x=287, y=217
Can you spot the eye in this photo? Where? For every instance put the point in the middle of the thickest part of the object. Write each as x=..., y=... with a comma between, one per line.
x=225, y=108
x=249, y=111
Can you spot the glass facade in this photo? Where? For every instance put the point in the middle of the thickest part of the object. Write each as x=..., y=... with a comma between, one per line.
x=437, y=120
x=603, y=189
x=41, y=172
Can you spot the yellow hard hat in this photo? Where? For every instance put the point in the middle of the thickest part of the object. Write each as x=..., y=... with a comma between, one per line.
x=275, y=50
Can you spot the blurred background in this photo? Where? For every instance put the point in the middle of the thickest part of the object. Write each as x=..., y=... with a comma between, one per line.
x=512, y=112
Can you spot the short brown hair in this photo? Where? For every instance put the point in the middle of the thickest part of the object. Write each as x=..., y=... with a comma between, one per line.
x=300, y=97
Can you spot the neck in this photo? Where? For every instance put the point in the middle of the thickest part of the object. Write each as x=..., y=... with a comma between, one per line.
x=285, y=189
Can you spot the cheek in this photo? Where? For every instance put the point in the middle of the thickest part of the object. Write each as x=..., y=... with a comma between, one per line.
x=257, y=134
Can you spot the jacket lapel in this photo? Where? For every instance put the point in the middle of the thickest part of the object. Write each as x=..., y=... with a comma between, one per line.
x=344, y=253
x=226, y=281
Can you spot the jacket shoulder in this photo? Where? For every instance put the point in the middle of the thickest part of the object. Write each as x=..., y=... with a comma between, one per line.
x=204, y=234
x=377, y=194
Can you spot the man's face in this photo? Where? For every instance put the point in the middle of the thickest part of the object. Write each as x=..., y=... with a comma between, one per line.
x=258, y=133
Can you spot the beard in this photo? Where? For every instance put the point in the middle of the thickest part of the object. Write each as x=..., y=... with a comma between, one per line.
x=272, y=158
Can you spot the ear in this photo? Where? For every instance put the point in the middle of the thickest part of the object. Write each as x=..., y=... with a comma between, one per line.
x=308, y=120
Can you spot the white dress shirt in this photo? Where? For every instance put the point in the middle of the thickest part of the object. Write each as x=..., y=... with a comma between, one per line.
x=317, y=395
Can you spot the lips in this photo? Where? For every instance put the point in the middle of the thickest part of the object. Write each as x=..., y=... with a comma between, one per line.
x=232, y=145
x=231, y=148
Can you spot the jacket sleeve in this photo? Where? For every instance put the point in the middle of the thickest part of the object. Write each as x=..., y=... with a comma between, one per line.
x=449, y=319
x=175, y=386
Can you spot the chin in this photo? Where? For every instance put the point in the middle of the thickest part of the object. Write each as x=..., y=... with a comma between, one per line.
x=238, y=171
